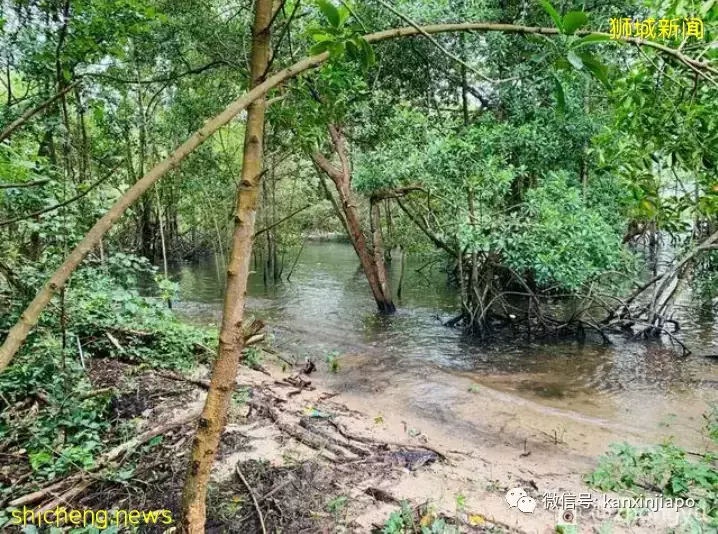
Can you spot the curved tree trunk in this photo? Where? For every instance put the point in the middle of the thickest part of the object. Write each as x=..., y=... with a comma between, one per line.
x=231, y=339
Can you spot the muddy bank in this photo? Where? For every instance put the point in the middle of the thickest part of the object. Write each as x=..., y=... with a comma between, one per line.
x=319, y=457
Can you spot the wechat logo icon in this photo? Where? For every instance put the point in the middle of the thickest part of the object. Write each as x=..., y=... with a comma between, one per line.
x=518, y=498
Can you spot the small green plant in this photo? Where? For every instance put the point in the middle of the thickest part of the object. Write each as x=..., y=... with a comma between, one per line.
x=241, y=396
x=665, y=468
x=332, y=360
x=406, y=521
x=167, y=288
x=336, y=506
x=252, y=358
x=460, y=502
x=474, y=388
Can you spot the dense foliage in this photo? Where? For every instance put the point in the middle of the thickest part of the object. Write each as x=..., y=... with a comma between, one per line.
x=530, y=166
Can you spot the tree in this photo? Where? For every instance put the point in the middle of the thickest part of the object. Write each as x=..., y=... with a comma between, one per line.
x=27, y=321
x=231, y=336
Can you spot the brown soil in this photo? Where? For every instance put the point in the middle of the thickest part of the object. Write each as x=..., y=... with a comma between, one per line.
x=322, y=462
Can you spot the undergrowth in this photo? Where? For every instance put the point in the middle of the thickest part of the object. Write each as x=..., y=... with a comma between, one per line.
x=51, y=418
x=406, y=521
x=669, y=470
x=424, y=520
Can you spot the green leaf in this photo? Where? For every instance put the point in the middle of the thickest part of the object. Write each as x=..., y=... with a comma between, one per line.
x=368, y=57
x=320, y=47
x=330, y=12
x=551, y=11
x=560, y=95
x=343, y=15
x=321, y=36
x=354, y=50
x=562, y=63
x=574, y=60
x=706, y=7
x=592, y=39
x=336, y=49
x=39, y=459
x=573, y=20
x=598, y=69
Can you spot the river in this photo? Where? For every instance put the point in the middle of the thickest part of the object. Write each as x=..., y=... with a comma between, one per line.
x=638, y=390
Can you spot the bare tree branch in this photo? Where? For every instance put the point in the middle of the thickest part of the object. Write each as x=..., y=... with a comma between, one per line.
x=25, y=184
x=30, y=113
x=280, y=221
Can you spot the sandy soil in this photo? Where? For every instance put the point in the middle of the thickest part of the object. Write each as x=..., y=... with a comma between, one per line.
x=305, y=449
x=492, y=444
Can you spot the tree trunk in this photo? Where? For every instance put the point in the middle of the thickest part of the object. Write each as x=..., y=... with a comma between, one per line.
x=400, y=290
x=389, y=228
x=378, y=249
x=342, y=180
x=231, y=341
x=162, y=240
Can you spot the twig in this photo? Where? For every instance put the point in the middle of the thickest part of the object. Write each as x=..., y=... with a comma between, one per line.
x=366, y=439
x=291, y=271
x=61, y=204
x=22, y=119
x=114, y=341
x=280, y=221
x=25, y=184
x=299, y=433
x=254, y=498
x=278, y=355
x=79, y=348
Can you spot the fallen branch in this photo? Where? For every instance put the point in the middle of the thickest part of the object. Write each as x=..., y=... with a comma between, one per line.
x=254, y=497
x=278, y=355
x=365, y=439
x=114, y=341
x=313, y=427
x=298, y=433
x=96, y=393
x=438, y=242
x=280, y=221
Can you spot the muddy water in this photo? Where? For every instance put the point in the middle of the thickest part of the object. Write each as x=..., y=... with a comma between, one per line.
x=589, y=393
